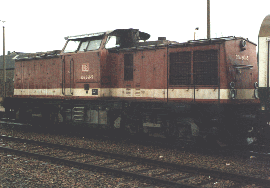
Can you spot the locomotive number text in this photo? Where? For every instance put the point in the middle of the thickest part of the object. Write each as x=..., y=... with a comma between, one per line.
x=87, y=77
x=243, y=57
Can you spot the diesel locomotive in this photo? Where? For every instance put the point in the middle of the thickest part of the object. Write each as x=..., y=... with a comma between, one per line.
x=121, y=82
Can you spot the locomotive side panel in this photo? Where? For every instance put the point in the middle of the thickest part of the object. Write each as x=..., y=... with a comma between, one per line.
x=37, y=78
x=85, y=78
x=18, y=78
x=131, y=77
x=137, y=75
x=193, y=73
x=112, y=76
x=242, y=70
x=87, y=67
x=27, y=71
x=154, y=75
x=54, y=78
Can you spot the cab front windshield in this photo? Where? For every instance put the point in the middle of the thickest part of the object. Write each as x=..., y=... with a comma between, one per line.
x=83, y=45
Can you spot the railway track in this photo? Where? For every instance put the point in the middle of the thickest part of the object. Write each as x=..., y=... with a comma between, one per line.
x=256, y=151
x=156, y=172
x=259, y=152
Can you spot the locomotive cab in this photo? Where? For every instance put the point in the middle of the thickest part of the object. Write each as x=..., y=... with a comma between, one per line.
x=80, y=65
x=86, y=62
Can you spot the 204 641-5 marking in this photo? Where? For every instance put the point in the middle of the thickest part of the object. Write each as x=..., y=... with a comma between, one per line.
x=87, y=77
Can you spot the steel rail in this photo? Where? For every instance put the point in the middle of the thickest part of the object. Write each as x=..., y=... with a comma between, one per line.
x=158, y=163
x=119, y=172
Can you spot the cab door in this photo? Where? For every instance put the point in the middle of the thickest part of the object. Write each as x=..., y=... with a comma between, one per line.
x=67, y=75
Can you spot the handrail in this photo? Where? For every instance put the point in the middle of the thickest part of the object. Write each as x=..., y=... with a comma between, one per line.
x=71, y=80
x=63, y=76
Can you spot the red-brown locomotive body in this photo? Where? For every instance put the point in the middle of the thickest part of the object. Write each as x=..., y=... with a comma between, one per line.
x=118, y=80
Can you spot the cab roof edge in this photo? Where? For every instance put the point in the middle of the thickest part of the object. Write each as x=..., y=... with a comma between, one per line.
x=84, y=35
x=143, y=35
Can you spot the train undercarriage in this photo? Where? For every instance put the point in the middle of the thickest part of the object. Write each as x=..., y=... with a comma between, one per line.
x=212, y=123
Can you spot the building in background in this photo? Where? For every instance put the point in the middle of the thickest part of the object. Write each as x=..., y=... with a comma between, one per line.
x=10, y=65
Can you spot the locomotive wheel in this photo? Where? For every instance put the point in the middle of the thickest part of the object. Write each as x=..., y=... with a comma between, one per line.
x=181, y=129
x=24, y=115
x=131, y=122
x=171, y=130
x=49, y=118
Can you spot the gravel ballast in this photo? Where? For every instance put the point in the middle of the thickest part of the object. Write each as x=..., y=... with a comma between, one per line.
x=55, y=175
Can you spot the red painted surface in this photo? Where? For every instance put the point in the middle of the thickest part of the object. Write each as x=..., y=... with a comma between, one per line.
x=151, y=67
x=38, y=74
x=244, y=78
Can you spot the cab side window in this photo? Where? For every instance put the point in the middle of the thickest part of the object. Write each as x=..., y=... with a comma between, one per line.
x=112, y=42
x=83, y=46
x=71, y=46
x=94, y=44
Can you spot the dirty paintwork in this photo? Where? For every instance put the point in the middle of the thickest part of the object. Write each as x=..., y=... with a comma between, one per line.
x=143, y=71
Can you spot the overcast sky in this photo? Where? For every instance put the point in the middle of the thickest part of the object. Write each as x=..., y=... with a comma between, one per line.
x=39, y=26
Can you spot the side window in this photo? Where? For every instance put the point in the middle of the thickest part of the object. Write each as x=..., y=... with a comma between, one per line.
x=94, y=44
x=128, y=67
x=112, y=42
x=83, y=46
x=72, y=46
x=90, y=45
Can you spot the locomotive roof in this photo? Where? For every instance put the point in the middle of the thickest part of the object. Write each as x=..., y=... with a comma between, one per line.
x=142, y=35
x=214, y=40
x=12, y=57
x=84, y=36
x=173, y=44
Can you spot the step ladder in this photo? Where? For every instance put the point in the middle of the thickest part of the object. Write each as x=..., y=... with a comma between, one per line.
x=78, y=114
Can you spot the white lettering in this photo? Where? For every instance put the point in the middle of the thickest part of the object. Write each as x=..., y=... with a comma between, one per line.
x=244, y=57
x=87, y=77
